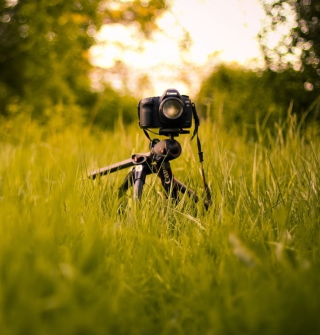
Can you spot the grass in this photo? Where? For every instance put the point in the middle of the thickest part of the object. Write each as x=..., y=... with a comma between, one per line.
x=74, y=259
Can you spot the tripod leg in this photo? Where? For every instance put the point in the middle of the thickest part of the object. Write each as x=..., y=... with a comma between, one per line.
x=136, y=177
x=167, y=179
x=183, y=189
x=140, y=172
x=128, y=181
x=172, y=184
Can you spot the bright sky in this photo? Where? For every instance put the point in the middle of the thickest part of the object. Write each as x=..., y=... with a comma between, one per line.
x=226, y=28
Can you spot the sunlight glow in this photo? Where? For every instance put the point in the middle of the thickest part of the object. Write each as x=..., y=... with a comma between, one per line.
x=226, y=29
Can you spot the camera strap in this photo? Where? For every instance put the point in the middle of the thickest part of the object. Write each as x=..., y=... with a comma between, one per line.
x=147, y=134
x=200, y=153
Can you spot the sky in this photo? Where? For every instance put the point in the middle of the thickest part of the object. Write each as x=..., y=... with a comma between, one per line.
x=220, y=30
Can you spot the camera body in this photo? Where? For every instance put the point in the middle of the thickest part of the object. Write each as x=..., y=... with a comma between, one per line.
x=171, y=110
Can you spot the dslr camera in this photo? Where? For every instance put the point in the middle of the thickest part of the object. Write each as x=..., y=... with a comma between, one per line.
x=170, y=112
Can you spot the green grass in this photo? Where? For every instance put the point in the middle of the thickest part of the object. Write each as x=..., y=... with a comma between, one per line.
x=74, y=259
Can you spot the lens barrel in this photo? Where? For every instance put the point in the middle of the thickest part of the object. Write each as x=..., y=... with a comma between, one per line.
x=171, y=108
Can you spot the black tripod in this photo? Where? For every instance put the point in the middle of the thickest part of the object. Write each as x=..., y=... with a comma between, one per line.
x=156, y=161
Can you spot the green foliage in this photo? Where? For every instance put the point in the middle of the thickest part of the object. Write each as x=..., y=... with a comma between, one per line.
x=246, y=97
x=288, y=88
x=110, y=107
x=299, y=47
x=236, y=93
x=76, y=260
x=44, y=51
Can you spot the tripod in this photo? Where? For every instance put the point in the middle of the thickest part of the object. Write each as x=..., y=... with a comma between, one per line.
x=157, y=160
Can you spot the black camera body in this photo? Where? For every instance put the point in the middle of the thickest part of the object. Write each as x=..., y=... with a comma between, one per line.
x=171, y=110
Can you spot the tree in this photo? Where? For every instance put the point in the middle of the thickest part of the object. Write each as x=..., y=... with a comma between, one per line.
x=232, y=95
x=44, y=50
x=298, y=23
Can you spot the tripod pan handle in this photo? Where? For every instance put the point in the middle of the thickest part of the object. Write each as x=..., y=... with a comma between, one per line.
x=134, y=160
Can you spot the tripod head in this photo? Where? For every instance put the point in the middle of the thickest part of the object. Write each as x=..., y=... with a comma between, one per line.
x=165, y=150
x=173, y=132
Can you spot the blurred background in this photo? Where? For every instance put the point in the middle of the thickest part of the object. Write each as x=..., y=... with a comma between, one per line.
x=89, y=62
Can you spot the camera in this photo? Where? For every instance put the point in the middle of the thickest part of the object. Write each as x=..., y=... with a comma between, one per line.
x=171, y=110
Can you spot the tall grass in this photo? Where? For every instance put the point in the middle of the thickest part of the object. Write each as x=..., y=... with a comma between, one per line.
x=75, y=259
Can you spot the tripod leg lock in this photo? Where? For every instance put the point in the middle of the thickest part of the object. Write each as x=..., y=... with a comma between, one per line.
x=138, y=159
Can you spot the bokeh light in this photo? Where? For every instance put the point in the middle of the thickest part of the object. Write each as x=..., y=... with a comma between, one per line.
x=219, y=31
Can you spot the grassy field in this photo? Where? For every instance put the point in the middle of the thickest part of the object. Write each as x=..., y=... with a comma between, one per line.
x=75, y=259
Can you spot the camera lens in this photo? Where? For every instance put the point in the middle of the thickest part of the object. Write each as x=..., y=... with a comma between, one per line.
x=172, y=108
